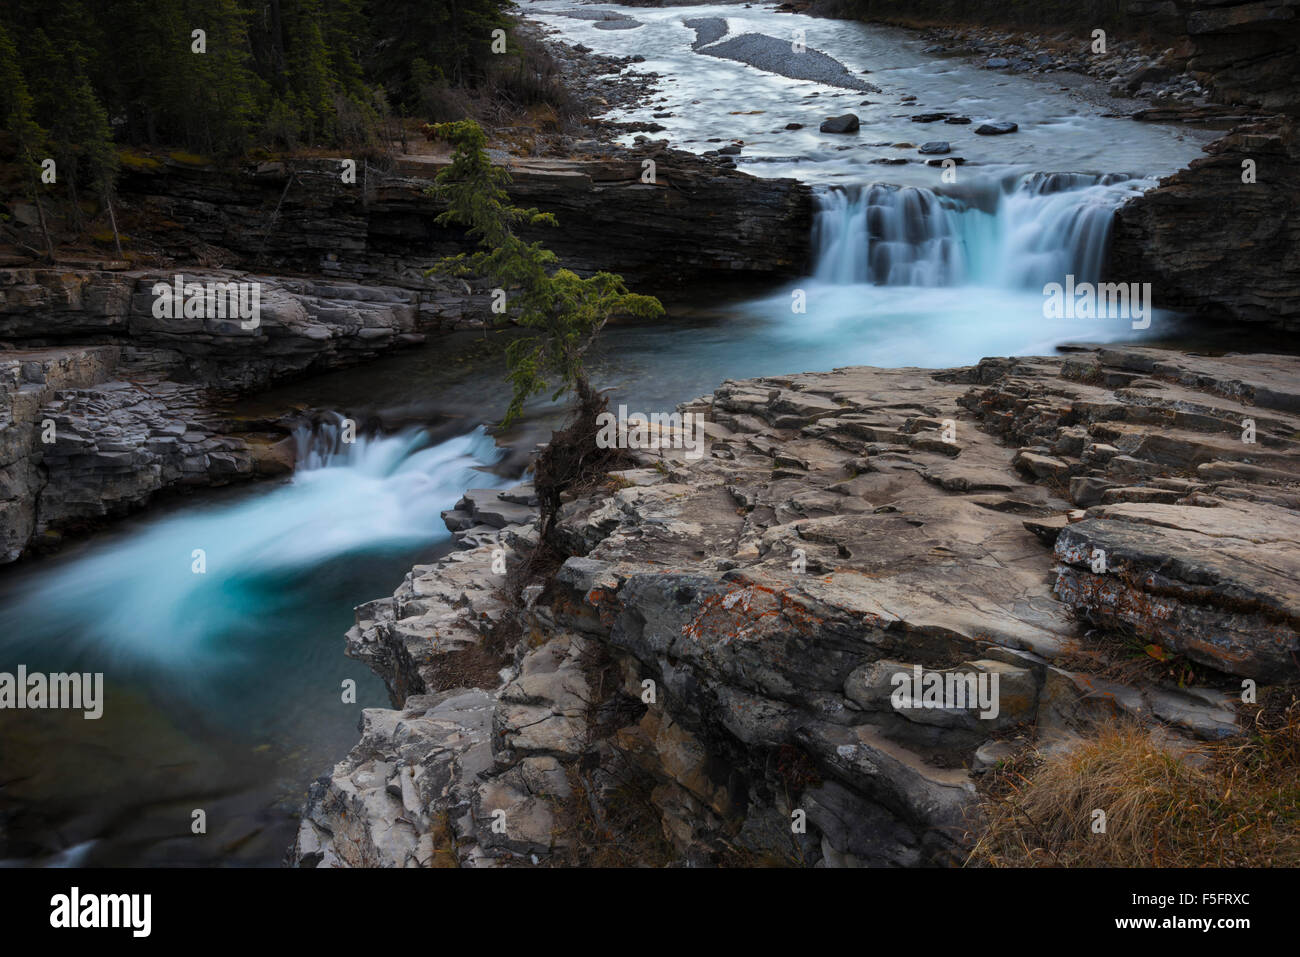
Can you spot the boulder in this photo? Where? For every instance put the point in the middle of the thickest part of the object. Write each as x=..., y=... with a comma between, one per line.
x=848, y=123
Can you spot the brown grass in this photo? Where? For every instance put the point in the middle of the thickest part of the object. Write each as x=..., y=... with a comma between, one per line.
x=1231, y=804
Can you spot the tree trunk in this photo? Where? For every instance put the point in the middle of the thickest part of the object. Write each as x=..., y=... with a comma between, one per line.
x=78, y=224
x=40, y=213
x=117, y=239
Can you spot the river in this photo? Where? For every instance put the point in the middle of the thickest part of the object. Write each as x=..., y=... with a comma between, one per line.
x=224, y=687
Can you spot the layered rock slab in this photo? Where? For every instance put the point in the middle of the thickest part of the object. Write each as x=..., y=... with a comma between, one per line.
x=846, y=528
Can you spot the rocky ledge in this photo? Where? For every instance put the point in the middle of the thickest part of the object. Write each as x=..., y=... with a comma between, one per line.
x=1222, y=237
x=86, y=435
x=103, y=404
x=707, y=679
x=664, y=219
x=304, y=325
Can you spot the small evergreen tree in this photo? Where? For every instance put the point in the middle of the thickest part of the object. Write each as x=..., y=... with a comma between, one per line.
x=564, y=311
x=567, y=310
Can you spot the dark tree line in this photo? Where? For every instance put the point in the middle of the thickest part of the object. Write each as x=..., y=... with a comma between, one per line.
x=81, y=78
x=274, y=72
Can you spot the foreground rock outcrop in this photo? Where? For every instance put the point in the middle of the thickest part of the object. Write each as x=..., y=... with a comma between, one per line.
x=726, y=648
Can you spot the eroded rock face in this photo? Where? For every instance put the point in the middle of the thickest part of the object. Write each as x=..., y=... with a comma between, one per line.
x=1213, y=244
x=95, y=430
x=773, y=610
x=85, y=437
x=663, y=219
x=305, y=325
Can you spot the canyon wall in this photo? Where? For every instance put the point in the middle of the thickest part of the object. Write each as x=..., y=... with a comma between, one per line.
x=1214, y=245
x=697, y=222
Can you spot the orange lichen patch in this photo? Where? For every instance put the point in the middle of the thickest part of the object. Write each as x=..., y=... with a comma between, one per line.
x=605, y=612
x=738, y=612
x=1116, y=594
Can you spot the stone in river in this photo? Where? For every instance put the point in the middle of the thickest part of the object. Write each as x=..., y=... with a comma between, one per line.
x=935, y=147
x=848, y=123
x=957, y=120
x=996, y=63
x=794, y=126
x=928, y=117
x=996, y=129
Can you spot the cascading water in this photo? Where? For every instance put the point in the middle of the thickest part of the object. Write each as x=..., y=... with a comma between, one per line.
x=188, y=588
x=222, y=681
x=1017, y=235
x=911, y=276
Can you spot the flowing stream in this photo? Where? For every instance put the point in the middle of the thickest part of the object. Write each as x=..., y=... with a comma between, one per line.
x=223, y=681
x=223, y=687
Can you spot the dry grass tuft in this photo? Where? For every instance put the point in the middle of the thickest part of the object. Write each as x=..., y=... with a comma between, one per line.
x=1232, y=804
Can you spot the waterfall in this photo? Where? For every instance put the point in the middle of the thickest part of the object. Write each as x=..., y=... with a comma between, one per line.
x=1016, y=234
x=142, y=597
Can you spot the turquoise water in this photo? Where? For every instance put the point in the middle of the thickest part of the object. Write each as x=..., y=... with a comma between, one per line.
x=223, y=688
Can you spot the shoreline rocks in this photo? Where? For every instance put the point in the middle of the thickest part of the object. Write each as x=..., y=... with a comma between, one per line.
x=845, y=527
x=1243, y=52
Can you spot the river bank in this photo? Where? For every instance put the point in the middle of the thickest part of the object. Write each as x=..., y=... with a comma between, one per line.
x=715, y=659
x=895, y=267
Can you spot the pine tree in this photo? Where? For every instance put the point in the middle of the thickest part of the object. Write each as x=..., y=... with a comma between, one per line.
x=80, y=139
x=567, y=311
x=231, y=97
x=17, y=109
x=310, y=80
x=563, y=311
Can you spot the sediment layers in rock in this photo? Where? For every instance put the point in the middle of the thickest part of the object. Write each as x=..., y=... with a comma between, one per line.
x=664, y=219
x=305, y=325
x=87, y=437
x=1214, y=244
x=727, y=633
